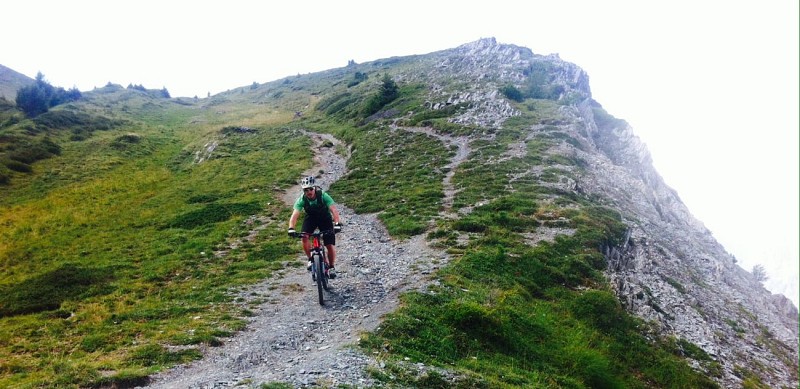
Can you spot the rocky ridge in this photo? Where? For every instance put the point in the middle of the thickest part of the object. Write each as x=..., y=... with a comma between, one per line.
x=671, y=271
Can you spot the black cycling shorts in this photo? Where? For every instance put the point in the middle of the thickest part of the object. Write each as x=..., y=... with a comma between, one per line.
x=311, y=223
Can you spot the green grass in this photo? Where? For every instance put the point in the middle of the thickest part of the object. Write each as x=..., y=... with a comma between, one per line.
x=107, y=249
x=521, y=316
x=397, y=174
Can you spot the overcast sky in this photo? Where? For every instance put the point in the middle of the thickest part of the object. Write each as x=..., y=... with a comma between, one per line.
x=710, y=86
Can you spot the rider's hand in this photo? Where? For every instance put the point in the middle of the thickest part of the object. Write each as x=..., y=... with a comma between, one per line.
x=292, y=233
x=337, y=228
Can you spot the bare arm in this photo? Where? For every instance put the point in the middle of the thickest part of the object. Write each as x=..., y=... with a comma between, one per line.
x=293, y=218
x=335, y=213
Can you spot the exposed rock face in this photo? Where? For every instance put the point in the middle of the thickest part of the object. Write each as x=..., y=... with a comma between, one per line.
x=673, y=272
x=670, y=271
x=492, y=66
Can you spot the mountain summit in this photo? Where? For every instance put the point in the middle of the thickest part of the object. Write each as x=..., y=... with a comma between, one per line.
x=522, y=228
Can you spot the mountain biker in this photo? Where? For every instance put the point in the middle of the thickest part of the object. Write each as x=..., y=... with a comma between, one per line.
x=321, y=213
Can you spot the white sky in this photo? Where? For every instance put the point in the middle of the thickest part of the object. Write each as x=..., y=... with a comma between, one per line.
x=711, y=86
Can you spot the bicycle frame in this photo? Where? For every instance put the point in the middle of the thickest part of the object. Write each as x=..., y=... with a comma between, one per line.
x=319, y=262
x=316, y=244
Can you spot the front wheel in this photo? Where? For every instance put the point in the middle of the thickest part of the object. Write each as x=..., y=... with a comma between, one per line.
x=319, y=275
x=325, y=272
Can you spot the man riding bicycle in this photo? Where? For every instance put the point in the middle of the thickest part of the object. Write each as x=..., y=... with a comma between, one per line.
x=320, y=213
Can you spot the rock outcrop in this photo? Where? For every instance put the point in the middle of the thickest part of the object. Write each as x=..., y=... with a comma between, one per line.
x=670, y=271
x=674, y=273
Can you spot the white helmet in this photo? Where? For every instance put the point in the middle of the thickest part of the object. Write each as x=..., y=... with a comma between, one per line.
x=307, y=182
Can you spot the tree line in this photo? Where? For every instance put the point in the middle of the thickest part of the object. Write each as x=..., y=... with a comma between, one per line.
x=39, y=97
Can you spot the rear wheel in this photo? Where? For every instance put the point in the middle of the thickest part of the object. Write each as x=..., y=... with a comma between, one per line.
x=319, y=274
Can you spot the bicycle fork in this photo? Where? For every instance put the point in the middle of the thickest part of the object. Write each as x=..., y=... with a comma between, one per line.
x=322, y=261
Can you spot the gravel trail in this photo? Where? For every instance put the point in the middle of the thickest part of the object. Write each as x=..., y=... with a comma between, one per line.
x=291, y=338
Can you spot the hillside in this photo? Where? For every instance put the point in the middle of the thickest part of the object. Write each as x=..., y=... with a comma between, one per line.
x=11, y=81
x=506, y=231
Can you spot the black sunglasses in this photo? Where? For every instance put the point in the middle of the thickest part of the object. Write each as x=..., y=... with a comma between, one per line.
x=307, y=189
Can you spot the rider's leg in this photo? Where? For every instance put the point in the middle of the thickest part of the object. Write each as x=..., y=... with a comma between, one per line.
x=331, y=254
x=308, y=227
x=329, y=239
x=306, y=246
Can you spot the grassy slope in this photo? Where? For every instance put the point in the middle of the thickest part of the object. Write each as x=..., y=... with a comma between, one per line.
x=515, y=315
x=128, y=222
x=107, y=249
x=11, y=81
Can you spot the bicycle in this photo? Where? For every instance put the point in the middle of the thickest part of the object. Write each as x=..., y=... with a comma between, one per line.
x=319, y=261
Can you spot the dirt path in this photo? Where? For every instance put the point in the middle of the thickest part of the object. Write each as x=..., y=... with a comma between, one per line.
x=291, y=338
x=462, y=152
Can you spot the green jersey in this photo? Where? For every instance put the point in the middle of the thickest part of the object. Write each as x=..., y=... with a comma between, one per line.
x=314, y=206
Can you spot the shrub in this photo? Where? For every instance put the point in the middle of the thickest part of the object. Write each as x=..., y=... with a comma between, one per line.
x=336, y=104
x=129, y=138
x=592, y=368
x=599, y=308
x=203, y=198
x=138, y=87
x=32, y=153
x=387, y=93
x=357, y=79
x=213, y=213
x=37, y=98
x=18, y=166
x=469, y=224
x=47, y=291
x=426, y=116
x=62, y=119
x=759, y=273
x=124, y=141
x=512, y=93
x=270, y=251
x=32, y=100
x=478, y=328
x=153, y=354
x=605, y=120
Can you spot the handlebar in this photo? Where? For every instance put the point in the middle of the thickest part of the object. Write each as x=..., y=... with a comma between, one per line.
x=315, y=233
